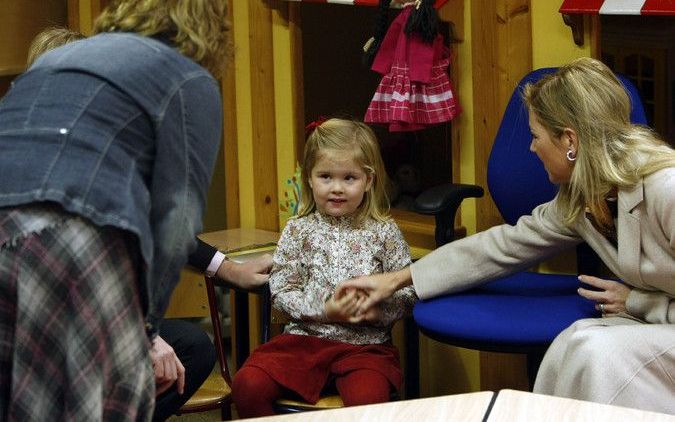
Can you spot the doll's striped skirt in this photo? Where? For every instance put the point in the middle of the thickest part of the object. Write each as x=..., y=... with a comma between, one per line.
x=72, y=341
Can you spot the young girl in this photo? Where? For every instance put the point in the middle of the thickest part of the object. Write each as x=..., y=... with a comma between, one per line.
x=343, y=230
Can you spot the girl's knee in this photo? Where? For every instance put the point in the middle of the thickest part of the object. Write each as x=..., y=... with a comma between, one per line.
x=250, y=379
x=363, y=387
x=254, y=392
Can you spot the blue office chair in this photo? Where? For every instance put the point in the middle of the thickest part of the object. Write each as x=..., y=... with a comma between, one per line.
x=524, y=312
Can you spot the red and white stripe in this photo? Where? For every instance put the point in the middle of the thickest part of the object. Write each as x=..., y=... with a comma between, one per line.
x=619, y=7
x=438, y=3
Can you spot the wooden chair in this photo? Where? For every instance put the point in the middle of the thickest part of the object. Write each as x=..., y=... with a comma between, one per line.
x=215, y=393
x=271, y=316
x=522, y=312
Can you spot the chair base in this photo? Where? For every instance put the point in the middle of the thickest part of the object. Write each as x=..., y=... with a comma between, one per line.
x=214, y=394
x=283, y=406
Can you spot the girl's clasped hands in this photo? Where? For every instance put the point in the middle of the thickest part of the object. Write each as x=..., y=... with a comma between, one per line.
x=347, y=305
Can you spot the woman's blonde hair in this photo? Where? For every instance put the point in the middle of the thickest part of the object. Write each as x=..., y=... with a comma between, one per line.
x=348, y=139
x=587, y=97
x=199, y=29
x=50, y=39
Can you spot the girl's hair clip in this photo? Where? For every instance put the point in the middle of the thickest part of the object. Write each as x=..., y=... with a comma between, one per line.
x=313, y=125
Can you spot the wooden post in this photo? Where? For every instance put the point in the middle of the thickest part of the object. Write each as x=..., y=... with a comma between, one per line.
x=502, y=54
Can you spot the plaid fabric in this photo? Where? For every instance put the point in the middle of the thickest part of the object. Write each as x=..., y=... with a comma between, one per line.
x=410, y=105
x=415, y=91
x=72, y=341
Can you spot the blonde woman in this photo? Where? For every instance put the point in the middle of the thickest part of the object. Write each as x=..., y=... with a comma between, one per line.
x=617, y=192
x=343, y=229
x=107, y=145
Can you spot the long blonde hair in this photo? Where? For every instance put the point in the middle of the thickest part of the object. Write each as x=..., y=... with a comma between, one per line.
x=199, y=28
x=587, y=97
x=49, y=39
x=353, y=139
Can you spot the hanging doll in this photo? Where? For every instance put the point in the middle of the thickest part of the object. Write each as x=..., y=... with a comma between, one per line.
x=415, y=91
x=373, y=44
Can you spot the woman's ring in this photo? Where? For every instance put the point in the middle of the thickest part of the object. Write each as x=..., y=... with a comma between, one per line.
x=602, y=308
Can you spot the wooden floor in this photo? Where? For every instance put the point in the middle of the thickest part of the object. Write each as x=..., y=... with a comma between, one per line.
x=197, y=417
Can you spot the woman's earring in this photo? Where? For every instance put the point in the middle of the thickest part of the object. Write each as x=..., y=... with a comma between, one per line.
x=571, y=156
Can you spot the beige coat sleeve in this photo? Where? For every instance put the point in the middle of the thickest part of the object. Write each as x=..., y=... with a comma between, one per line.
x=493, y=253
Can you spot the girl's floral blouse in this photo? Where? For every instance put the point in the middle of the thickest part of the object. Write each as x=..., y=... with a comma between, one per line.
x=316, y=253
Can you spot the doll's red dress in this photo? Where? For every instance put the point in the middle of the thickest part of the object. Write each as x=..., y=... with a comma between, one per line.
x=415, y=91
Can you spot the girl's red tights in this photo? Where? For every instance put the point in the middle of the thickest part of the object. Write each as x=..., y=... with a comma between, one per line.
x=254, y=392
x=363, y=386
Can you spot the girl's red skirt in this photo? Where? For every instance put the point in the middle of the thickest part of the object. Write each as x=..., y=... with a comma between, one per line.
x=305, y=364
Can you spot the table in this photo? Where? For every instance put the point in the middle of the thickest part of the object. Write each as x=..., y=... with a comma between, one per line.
x=512, y=405
x=504, y=406
x=461, y=407
x=227, y=240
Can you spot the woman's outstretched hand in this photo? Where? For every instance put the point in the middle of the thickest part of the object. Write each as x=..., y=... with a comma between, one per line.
x=346, y=308
x=610, y=299
x=376, y=287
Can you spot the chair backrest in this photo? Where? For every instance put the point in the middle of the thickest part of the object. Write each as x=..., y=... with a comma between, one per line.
x=516, y=177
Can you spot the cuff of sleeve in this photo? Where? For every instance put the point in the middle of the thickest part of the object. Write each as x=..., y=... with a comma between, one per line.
x=215, y=263
x=321, y=312
x=648, y=306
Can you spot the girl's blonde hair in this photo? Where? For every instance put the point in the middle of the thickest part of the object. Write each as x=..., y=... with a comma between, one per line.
x=50, y=39
x=348, y=139
x=199, y=29
x=587, y=97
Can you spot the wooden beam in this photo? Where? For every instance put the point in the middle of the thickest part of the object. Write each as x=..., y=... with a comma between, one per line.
x=264, y=140
x=74, y=15
x=230, y=150
x=486, y=102
x=502, y=54
x=295, y=27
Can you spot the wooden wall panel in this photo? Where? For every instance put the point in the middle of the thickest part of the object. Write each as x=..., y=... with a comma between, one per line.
x=266, y=201
x=453, y=12
x=20, y=22
x=295, y=25
x=502, y=54
x=230, y=150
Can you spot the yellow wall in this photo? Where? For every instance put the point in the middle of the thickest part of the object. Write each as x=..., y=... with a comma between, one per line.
x=444, y=370
x=244, y=139
x=285, y=113
x=281, y=93
x=552, y=43
x=465, y=121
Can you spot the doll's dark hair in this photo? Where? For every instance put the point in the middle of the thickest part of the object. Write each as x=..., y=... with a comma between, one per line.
x=381, y=25
x=423, y=21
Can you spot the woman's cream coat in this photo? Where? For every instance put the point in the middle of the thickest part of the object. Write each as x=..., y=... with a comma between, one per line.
x=645, y=259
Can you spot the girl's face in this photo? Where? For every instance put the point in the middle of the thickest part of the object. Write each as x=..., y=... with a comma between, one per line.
x=552, y=152
x=338, y=185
